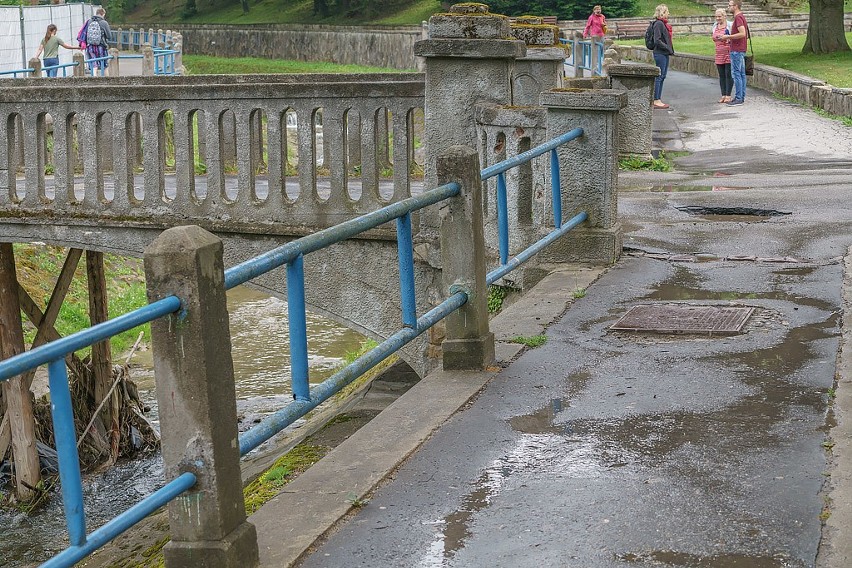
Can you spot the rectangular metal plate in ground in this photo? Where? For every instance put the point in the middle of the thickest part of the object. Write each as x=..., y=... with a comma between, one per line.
x=675, y=318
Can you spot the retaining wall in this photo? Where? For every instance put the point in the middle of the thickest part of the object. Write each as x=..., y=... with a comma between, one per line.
x=696, y=25
x=391, y=47
x=807, y=90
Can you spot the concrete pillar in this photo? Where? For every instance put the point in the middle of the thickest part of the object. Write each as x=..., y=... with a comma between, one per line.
x=80, y=67
x=114, y=69
x=35, y=65
x=588, y=170
x=634, y=121
x=469, y=344
x=468, y=61
x=195, y=391
x=541, y=68
x=578, y=54
x=596, y=55
x=147, y=60
x=179, y=54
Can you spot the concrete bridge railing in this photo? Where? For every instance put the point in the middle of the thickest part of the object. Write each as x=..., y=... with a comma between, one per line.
x=99, y=148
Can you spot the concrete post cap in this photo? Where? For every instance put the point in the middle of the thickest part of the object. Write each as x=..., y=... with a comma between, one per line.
x=585, y=99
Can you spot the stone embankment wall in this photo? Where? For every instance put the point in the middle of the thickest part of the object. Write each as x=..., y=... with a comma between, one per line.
x=806, y=90
x=796, y=24
x=391, y=47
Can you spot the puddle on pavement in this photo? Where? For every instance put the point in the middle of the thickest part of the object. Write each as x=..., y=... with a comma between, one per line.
x=685, y=285
x=678, y=188
x=541, y=422
x=674, y=559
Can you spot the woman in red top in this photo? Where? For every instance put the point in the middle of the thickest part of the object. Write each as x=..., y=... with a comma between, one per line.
x=723, y=55
x=596, y=23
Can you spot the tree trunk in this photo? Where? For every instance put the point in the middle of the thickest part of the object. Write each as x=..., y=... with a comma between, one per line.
x=16, y=392
x=825, y=28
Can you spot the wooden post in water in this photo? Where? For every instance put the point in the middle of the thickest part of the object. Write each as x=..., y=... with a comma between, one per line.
x=101, y=358
x=16, y=392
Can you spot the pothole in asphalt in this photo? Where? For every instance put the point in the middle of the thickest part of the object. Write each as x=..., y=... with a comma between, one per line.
x=733, y=214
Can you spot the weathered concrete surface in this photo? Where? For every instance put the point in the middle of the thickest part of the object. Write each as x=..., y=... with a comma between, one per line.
x=608, y=449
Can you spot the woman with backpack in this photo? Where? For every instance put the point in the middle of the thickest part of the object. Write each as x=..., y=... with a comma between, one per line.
x=50, y=46
x=659, y=39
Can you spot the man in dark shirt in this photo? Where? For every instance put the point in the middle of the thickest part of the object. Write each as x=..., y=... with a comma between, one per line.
x=739, y=44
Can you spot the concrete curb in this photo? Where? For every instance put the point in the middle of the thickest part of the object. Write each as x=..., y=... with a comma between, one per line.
x=835, y=548
x=311, y=505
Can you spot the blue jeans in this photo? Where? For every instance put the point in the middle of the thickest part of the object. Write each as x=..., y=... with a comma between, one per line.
x=662, y=61
x=50, y=62
x=738, y=74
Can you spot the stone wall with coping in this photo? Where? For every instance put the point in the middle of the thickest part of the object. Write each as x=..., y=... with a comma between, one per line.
x=391, y=47
x=796, y=24
x=806, y=90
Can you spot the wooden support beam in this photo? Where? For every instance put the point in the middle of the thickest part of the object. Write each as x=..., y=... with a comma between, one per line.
x=15, y=392
x=101, y=358
x=36, y=317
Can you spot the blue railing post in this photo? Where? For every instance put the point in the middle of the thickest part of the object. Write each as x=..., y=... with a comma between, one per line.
x=469, y=343
x=197, y=401
x=298, y=329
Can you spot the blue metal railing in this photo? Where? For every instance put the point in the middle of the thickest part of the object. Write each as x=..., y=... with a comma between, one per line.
x=164, y=61
x=581, y=54
x=306, y=398
x=499, y=170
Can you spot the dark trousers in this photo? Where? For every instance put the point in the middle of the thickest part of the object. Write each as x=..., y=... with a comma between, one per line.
x=726, y=81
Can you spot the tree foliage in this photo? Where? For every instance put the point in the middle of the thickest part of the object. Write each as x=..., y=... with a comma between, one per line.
x=825, y=28
x=563, y=9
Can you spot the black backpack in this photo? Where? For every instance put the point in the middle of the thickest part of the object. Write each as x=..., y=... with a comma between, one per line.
x=649, y=35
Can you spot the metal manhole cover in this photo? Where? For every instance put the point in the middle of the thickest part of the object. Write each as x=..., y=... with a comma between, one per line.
x=684, y=319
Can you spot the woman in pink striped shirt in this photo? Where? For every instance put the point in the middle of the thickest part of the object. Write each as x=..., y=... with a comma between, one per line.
x=723, y=55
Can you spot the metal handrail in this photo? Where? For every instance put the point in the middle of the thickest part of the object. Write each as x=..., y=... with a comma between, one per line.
x=306, y=398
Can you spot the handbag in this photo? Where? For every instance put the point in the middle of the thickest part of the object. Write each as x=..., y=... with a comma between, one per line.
x=604, y=29
x=749, y=59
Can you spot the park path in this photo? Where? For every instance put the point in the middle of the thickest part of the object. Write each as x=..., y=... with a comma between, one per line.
x=606, y=448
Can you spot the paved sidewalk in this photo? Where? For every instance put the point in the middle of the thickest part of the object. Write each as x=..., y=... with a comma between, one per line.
x=606, y=448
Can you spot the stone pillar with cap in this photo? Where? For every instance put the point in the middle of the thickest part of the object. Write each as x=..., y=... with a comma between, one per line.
x=468, y=60
x=588, y=168
x=634, y=121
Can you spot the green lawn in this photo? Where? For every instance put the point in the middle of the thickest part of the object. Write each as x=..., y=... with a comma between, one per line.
x=780, y=51
x=677, y=8
x=206, y=65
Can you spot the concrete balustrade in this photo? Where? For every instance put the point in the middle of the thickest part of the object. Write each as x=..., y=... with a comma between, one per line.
x=139, y=112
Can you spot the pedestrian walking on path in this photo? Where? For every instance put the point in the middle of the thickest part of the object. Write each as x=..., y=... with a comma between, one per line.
x=50, y=46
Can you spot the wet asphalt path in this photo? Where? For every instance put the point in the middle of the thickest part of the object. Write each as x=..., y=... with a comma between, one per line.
x=606, y=448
